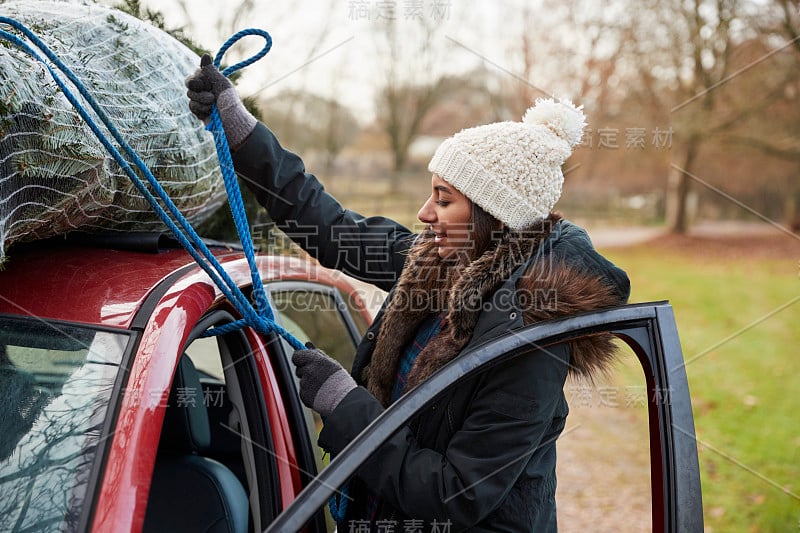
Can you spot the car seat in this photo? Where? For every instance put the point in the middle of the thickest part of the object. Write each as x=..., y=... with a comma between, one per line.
x=190, y=492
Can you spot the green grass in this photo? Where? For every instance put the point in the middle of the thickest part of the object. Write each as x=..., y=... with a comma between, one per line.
x=746, y=389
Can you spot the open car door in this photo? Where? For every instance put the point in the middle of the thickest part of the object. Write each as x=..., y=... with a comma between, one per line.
x=648, y=328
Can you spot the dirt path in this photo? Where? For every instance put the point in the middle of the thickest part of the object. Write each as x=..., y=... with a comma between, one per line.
x=612, y=237
x=718, y=239
x=603, y=463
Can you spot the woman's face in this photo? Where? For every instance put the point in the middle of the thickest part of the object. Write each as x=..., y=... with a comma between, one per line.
x=449, y=214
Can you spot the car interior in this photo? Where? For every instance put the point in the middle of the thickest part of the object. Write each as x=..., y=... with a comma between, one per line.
x=190, y=490
x=216, y=428
x=213, y=471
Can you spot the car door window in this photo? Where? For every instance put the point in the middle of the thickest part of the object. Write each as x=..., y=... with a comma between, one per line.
x=603, y=466
x=56, y=383
x=650, y=331
x=356, y=314
x=316, y=314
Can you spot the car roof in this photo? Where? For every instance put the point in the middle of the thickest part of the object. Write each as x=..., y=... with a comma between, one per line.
x=107, y=287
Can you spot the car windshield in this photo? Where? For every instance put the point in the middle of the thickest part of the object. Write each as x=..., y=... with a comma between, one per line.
x=56, y=381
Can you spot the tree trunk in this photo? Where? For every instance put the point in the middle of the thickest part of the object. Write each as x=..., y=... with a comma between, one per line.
x=396, y=175
x=790, y=215
x=679, y=189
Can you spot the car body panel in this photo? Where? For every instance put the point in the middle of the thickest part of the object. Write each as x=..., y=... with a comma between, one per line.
x=112, y=284
x=122, y=499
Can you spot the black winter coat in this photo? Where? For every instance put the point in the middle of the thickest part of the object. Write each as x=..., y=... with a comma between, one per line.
x=482, y=458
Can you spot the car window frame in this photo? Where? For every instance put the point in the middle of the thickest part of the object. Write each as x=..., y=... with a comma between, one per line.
x=253, y=397
x=306, y=441
x=286, y=350
x=648, y=328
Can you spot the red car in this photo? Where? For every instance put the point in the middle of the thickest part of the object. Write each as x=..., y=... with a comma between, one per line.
x=118, y=414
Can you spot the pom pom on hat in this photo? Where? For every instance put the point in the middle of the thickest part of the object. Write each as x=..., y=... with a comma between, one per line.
x=562, y=117
x=513, y=169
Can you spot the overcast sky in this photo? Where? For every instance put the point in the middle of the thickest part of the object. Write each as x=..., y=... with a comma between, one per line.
x=346, y=63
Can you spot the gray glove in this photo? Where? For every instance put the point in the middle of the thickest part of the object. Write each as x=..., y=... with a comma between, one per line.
x=323, y=381
x=206, y=86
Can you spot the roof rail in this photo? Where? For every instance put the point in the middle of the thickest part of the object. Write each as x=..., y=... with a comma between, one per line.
x=135, y=241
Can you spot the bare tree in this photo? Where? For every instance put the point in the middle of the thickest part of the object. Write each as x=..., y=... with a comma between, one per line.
x=305, y=121
x=790, y=21
x=774, y=130
x=668, y=61
x=340, y=129
x=411, y=87
x=684, y=55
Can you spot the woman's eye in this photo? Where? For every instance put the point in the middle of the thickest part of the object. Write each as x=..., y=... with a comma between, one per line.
x=442, y=203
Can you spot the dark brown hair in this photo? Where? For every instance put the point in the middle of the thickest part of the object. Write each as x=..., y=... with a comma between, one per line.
x=486, y=231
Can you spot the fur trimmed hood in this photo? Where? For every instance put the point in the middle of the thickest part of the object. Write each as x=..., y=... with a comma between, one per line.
x=549, y=288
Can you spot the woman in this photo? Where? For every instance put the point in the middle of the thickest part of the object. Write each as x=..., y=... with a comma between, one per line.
x=492, y=258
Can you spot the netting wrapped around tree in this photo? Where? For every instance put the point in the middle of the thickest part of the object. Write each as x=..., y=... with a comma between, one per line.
x=55, y=176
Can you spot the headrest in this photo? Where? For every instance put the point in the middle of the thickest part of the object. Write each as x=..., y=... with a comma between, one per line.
x=186, y=426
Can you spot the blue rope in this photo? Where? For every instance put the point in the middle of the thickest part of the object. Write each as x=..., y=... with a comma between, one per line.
x=229, y=174
x=261, y=320
x=338, y=508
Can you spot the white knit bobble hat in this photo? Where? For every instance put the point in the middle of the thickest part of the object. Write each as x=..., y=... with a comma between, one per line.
x=513, y=169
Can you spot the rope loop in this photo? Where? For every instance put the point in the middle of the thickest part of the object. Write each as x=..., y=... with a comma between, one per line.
x=247, y=62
